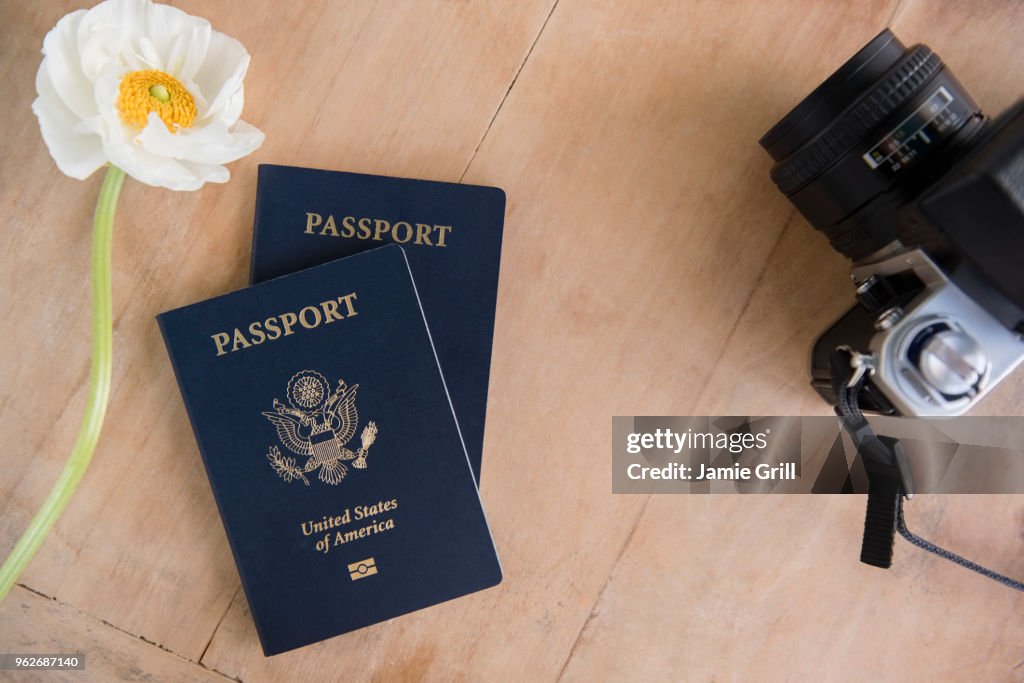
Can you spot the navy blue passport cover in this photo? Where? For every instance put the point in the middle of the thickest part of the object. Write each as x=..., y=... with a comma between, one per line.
x=332, y=449
x=452, y=237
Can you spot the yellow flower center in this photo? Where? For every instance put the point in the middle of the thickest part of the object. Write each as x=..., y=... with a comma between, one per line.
x=142, y=92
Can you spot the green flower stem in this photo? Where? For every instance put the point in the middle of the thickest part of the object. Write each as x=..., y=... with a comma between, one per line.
x=99, y=388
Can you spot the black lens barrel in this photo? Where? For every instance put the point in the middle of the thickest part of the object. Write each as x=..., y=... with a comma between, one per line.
x=832, y=97
x=849, y=156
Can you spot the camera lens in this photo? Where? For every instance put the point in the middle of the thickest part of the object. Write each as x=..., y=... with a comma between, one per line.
x=862, y=145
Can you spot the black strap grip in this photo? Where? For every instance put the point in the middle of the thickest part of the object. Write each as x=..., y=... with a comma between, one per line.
x=880, y=522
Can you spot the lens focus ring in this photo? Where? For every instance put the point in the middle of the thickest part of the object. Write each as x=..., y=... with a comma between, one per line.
x=885, y=98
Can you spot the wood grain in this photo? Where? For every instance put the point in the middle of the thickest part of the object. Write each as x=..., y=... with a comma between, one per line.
x=768, y=588
x=649, y=267
x=31, y=623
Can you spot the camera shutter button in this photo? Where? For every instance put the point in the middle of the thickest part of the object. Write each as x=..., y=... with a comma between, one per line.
x=952, y=362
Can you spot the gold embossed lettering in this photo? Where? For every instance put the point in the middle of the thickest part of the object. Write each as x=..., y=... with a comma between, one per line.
x=312, y=311
x=240, y=341
x=349, y=306
x=313, y=220
x=331, y=311
x=329, y=227
x=288, y=321
x=284, y=324
x=403, y=227
x=272, y=328
x=257, y=333
x=442, y=231
x=348, y=226
x=378, y=229
x=364, y=228
x=423, y=234
x=220, y=339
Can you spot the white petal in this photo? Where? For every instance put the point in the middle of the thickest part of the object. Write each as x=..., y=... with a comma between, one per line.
x=233, y=109
x=220, y=77
x=197, y=97
x=105, y=94
x=76, y=154
x=164, y=25
x=104, y=33
x=189, y=51
x=60, y=50
x=159, y=171
x=210, y=144
x=124, y=149
x=138, y=34
x=146, y=51
x=206, y=173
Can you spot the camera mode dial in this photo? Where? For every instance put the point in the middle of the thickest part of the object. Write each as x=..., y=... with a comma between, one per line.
x=951, y=361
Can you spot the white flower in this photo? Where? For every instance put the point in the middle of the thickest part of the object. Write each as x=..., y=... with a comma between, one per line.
x=146, y=87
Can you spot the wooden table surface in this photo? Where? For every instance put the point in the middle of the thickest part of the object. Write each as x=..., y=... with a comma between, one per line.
x=649, y=267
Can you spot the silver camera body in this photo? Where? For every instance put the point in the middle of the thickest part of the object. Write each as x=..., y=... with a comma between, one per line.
x=940, y=353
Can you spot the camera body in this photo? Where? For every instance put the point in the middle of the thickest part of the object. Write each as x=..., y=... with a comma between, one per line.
x=892, y=160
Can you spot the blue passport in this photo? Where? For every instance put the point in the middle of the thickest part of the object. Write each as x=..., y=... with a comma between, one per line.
x=332, y=448
x=452, y=237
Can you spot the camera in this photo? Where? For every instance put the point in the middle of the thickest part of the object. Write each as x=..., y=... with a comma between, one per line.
x=895, y=163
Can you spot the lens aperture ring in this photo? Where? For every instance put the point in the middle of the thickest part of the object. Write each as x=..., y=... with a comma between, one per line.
x=850, y=128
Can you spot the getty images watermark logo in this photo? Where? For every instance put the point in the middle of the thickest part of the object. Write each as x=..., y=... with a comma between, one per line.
x=813, y=455
x=733, y=442
x=705, y=454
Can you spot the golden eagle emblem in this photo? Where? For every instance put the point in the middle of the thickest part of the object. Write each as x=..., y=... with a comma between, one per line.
x=318, y=424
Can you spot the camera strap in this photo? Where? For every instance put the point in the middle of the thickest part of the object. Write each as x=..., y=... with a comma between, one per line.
x=889, y=476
